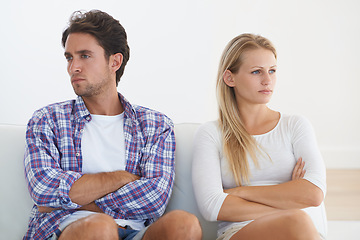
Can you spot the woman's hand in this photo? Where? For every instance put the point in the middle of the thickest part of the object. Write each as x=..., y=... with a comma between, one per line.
x=299, y=171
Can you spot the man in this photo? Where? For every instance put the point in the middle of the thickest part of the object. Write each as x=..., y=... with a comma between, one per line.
x=98, y=167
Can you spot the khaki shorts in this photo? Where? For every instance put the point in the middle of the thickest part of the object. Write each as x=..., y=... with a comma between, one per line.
x=234, y=229
x=231, y=231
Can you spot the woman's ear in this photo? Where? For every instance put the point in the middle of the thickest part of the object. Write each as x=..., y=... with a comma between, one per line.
x=116, y=61
x=228, y=78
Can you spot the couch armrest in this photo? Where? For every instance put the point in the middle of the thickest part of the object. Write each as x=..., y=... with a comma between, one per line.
x=15, y=201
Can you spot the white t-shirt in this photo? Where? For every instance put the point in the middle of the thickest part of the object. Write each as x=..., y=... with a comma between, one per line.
x=293, y=137
x=103, y=150
x=103, y=144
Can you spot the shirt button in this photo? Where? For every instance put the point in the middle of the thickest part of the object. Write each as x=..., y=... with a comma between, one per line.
x=77, y=154
x=81, y=130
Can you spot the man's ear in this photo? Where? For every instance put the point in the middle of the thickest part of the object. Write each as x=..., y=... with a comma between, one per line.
x=116, y=61
x=229, y=78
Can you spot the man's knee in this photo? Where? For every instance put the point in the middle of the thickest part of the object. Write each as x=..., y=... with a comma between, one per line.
x=184, y=223
x=96, y=226
x=100, y=219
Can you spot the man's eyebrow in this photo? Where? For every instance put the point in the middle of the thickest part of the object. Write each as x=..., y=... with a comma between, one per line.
x=81, y=52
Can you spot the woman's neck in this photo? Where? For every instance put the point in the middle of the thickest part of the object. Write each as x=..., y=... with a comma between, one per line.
x=258, y=119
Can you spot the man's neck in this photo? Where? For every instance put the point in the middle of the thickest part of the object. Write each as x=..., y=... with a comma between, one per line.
x=109, y=105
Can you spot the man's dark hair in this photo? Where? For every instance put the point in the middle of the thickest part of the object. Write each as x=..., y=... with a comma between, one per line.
x=109, y=33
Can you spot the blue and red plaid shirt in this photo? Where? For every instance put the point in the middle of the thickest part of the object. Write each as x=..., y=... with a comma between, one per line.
x=53, y=162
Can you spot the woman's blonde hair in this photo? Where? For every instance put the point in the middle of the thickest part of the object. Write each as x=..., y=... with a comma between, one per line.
x=237, y=142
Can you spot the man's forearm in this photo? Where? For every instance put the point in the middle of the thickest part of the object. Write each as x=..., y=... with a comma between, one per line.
x=89, y=207
x=91, y=187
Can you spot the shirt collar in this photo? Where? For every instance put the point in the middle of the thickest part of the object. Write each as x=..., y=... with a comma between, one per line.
x=129, y=110
x=81, y=112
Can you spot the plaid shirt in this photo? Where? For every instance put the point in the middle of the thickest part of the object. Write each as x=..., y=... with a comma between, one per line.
x=53, y=162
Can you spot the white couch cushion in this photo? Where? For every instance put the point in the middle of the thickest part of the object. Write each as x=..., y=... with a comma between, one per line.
x=183, y=194
x=15, y=202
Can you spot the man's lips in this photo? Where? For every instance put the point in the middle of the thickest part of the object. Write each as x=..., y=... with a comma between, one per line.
x=77, y=79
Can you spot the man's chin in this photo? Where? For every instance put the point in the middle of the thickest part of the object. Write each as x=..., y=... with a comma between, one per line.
x=84, y=93
x=80, y=93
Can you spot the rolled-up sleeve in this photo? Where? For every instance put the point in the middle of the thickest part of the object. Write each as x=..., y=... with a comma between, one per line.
x=48, y=184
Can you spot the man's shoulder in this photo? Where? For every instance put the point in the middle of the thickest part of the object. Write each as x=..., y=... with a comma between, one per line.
x=54, y=110
x=151, y=118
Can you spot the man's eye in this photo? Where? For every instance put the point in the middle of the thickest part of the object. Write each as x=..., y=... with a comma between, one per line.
x=255, y=72
x=85, y=56
x=68, y=58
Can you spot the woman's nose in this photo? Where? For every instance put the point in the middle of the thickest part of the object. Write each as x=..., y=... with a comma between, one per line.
x=266, y=80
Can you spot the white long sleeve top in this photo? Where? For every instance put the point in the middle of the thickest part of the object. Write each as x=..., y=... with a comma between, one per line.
x=292, y=137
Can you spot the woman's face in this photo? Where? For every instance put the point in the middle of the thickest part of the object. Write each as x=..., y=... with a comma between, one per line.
x=255, y=80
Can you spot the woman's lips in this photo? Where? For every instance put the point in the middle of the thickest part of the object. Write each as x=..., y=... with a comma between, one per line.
x=266, y=91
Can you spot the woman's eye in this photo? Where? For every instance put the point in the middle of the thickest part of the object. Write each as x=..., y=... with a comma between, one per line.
x=255, y=72
x=272, y=71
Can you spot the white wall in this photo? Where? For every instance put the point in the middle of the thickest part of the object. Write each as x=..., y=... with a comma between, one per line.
x=175, y=49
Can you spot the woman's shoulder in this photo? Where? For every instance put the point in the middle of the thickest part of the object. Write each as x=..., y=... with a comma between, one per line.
x=293, y=118
x=210, y=125
x=295, y=121
x=210, y=128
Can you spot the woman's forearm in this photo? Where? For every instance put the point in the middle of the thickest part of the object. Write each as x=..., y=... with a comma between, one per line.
x=297, y=194
x=236, y=209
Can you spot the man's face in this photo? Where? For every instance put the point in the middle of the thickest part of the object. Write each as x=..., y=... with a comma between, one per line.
x=90, y=72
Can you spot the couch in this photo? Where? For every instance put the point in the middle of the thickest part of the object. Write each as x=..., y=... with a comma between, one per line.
x=15, y=202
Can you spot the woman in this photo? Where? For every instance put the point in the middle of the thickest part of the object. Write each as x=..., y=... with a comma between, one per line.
x=255, y=170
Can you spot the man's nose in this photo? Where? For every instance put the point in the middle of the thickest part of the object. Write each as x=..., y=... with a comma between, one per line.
x=74, y=66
